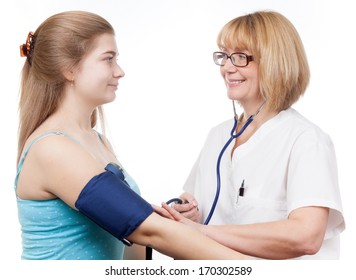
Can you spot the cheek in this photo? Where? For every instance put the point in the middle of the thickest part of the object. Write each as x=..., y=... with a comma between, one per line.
x=256, y=82
x=94, y=78
x=254, y=72
x=222, y=72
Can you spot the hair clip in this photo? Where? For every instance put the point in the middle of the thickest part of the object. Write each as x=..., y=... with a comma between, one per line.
x=26, y=49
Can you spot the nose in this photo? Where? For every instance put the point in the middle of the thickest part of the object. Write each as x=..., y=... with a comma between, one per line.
x=118, y=72
x=228, y=66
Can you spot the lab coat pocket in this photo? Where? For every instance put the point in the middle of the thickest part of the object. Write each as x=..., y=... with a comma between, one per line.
x=255, y=209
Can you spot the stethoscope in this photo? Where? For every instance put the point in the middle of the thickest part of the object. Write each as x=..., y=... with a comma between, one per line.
x=233, y=136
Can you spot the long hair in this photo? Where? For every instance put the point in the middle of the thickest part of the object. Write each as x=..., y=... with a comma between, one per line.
x=60, y=43
x=277, y=49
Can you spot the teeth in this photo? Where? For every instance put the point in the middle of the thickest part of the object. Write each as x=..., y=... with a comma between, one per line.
x=235, y=82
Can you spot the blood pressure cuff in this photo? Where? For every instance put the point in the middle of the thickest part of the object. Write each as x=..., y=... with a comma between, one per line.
x=113, y=205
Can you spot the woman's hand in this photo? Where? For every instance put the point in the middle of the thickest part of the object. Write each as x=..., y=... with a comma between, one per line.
x=167, y=211
x=189, y=208
x=162, y=212
x=175, y=215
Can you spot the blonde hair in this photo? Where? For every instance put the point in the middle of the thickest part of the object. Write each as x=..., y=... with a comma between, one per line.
x=60, y=43
x=277, y=49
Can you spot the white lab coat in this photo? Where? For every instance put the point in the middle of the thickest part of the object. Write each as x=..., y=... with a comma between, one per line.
x=288, y=163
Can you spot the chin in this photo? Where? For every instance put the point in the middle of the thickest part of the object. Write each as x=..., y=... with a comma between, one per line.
x=107, y=100
x=111, y=97
x=234, y=95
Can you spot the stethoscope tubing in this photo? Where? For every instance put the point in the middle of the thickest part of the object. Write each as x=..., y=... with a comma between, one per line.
x=218, y=177
x=233, y=136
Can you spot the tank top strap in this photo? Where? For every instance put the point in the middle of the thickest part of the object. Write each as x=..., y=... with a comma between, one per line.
x=19, y=167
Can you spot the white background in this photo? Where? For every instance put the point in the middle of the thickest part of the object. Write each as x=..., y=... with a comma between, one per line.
x=173, y=94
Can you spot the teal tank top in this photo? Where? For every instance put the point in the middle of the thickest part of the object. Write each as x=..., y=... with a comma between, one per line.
x=53, y=230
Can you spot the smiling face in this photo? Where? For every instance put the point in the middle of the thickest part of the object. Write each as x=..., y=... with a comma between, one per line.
x=242, y=83
x=279, y=72
x=98, y=74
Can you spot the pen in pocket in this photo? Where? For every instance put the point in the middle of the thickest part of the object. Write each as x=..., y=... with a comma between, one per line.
x=241, y=190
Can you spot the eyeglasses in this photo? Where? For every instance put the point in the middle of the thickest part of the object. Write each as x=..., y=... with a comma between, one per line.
x=238, y=59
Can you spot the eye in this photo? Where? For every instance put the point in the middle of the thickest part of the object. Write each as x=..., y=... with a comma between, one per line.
x=110, y=59
x=241, y=56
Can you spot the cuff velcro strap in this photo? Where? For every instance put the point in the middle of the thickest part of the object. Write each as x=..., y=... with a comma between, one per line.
x=113, y=205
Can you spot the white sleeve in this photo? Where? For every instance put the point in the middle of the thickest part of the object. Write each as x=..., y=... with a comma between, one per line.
x=313, y=178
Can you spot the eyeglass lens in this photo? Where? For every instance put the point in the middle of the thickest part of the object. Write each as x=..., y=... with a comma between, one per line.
x=237, y=59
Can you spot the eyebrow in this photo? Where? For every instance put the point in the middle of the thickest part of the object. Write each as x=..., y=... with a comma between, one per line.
x=111, y=52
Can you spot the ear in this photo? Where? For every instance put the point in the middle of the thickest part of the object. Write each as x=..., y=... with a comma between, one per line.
x=69, y=74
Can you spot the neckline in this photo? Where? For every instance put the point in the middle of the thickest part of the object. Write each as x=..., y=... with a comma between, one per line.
x=258, y=135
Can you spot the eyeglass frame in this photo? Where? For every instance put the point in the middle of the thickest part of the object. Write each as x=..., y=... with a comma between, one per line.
x=249, y=58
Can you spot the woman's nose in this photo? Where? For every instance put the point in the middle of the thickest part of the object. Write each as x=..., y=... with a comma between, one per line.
x=228, y=66
x=118, y=72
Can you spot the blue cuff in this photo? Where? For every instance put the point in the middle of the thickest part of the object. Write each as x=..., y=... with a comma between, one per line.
x=113, y=205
